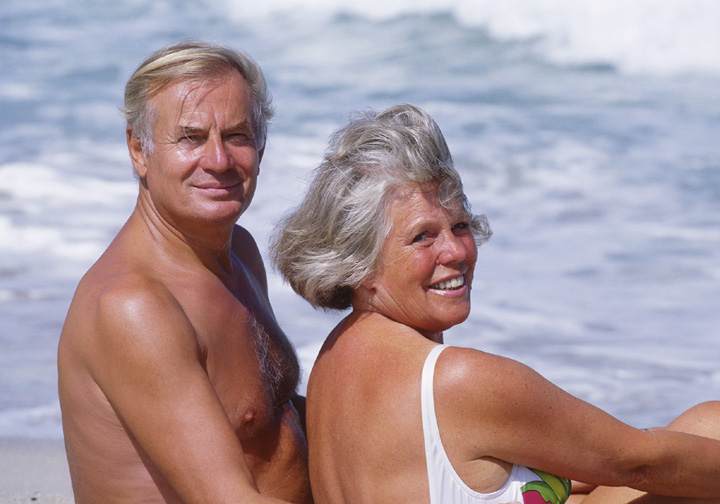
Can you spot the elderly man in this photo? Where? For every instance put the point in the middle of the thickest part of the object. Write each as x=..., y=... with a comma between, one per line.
x=176, y=382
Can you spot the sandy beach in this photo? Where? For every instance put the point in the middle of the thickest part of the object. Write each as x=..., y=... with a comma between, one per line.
x=34, y=471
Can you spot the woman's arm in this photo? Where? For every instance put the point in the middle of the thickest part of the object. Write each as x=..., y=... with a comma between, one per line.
x=702, y=420
x=508, y=411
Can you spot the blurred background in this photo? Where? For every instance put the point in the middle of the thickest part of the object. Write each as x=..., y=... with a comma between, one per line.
x=588, y=133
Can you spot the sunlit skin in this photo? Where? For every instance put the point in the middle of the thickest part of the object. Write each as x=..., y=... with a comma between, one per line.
x=364, y=421
x=364, y=443
x=427, y=265
x=164, y=397
x=205, y=161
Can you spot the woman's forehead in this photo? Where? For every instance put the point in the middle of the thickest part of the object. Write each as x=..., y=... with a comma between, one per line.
x=415, y=203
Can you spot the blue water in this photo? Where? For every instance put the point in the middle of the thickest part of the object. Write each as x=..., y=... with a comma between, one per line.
x=588, y=133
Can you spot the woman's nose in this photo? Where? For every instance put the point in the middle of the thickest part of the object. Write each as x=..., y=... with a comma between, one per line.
x=453, y=250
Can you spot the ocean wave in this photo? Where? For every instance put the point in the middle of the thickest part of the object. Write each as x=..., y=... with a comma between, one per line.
x=675, y=37
x=37, y=422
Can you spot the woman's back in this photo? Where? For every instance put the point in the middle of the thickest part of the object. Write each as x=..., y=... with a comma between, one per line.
x=364, y=422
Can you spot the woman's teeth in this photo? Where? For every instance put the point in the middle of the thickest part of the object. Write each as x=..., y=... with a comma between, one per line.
x=454, y=283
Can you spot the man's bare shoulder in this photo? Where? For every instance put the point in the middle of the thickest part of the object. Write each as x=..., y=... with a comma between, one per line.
x=118, y=305
x=113, y=282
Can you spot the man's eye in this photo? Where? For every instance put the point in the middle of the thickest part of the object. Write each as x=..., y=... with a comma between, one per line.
x=190, y=139
x=238, y=139
x=420, y=237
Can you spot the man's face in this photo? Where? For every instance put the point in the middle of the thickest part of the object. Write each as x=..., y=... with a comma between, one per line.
x=205, y=161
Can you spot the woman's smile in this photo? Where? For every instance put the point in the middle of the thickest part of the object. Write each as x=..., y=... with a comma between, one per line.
x=452, y=284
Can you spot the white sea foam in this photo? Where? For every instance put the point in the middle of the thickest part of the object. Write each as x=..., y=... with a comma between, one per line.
x=677, y=36
x=58, y=214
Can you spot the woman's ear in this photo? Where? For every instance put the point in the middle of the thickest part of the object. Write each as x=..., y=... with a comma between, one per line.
x=369, y=284
x=137, y=155
x=367, y=288
x=362, y=296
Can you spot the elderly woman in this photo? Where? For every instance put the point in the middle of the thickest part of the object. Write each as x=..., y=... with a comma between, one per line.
x=394, y=415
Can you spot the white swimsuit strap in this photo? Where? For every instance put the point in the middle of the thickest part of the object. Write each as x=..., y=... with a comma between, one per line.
x=444, y=483
x=431, y=433
x=428, y=396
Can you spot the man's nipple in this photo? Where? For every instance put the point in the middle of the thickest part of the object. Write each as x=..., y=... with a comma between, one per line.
x=248, y=417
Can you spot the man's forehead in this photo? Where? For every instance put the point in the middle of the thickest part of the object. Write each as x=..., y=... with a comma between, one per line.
x=197, y=90
x=182, y=101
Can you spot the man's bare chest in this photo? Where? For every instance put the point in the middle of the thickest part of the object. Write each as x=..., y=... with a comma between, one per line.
x=250, y=363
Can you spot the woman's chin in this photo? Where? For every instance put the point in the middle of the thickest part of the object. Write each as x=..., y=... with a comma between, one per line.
x=448, y=320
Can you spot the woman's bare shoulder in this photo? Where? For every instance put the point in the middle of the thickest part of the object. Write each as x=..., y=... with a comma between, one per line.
x=459, y=366
x=481, y=386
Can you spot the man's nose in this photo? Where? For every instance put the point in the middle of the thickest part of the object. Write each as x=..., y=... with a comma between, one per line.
x=216, y=156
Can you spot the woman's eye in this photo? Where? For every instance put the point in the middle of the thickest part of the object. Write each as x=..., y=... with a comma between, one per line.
x=461, y=226
x=420, y=237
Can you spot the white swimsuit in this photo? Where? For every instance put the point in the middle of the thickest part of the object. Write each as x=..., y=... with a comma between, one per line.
x=524, y=486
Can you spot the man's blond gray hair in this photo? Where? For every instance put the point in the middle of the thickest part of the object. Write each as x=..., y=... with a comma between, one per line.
x=192, y=61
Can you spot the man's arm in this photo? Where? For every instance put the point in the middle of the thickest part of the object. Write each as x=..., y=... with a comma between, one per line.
x=148, y=363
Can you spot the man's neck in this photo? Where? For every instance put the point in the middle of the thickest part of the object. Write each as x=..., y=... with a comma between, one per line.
x=189, y=242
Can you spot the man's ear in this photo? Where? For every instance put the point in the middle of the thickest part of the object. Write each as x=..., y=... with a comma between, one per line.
x=260, y=155
x=137, y=155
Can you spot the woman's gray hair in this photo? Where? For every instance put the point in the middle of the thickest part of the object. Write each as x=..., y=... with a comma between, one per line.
x=332, y=242
x=191, y=61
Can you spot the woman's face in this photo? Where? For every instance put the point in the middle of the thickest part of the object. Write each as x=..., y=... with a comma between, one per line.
x=427, y=264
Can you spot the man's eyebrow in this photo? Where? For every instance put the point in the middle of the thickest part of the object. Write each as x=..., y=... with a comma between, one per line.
x=188, y=130
x=243, y=125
